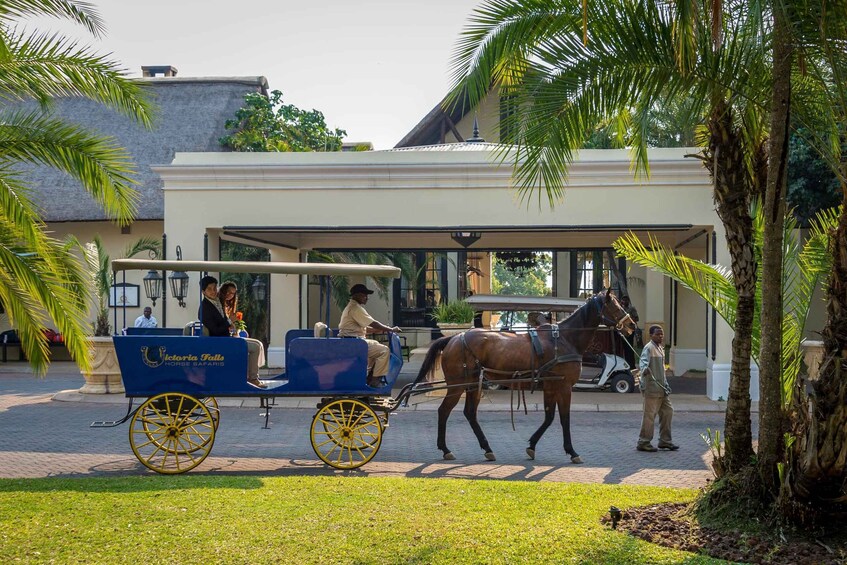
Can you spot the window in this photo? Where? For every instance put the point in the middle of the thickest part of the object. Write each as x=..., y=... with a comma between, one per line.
x=592, y=271
x=415, y=298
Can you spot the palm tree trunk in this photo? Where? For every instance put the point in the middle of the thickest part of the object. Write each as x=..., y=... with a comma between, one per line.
x=725, y=162
x=819, y=474
x=770, y=351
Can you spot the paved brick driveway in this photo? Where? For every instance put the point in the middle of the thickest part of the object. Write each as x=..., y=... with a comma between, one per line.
x=40, y=437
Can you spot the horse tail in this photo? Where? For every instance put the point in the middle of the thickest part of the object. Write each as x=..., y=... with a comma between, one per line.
x=435, y=349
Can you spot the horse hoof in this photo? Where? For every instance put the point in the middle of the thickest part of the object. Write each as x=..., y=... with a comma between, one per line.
x=576, y=459
x=449, y=456
x=530, y=452
x=490, y=456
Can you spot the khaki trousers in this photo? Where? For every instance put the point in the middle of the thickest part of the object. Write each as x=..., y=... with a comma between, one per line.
x=653, y=406
x=378, y=356
x=255, y=356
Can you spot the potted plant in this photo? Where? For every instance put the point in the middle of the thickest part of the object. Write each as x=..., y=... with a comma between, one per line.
x=453, y=317
x=104, y=374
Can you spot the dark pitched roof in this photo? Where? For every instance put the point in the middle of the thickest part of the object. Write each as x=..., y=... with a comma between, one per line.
x=429, y=130
x=191, y=117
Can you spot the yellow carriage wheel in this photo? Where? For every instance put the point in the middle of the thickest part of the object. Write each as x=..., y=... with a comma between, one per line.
x=346, y=433
x=172, y=433
x=328, y=424
x=212, y=404
x=193, y=416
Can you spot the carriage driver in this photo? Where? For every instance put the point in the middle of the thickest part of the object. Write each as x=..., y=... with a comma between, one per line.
x=356, y=322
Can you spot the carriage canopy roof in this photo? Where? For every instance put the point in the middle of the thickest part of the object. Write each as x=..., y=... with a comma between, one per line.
x=258, y=267
x=505, y=303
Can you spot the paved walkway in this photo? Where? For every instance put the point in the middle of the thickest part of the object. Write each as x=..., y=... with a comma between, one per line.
x=41, y=437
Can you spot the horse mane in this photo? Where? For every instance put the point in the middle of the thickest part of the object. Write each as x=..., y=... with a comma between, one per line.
x=579, y=319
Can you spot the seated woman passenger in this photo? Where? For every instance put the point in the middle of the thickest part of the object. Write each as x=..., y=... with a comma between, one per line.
x=213, y=317
x=228, y=295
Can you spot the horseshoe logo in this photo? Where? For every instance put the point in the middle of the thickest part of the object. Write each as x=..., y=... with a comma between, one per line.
x=153, y=358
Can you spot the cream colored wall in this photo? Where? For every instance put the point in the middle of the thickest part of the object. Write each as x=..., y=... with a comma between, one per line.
x=691, y=320
x=115, y=244
x=295, y=188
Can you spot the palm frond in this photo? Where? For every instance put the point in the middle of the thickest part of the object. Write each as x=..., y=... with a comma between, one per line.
x=36, y=288
x=44, y=66
x=103, y=168
x=82, y=13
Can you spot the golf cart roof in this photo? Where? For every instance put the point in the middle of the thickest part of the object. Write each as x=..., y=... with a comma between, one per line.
x=505, y=303
x=257, y=267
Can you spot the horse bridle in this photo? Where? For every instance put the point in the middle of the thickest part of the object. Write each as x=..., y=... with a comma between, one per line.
x=619, y=325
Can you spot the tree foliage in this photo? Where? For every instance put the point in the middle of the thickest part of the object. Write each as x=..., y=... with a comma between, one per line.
x=812, y=184
x=531, y=282
x=267, y=124
x=41, y=278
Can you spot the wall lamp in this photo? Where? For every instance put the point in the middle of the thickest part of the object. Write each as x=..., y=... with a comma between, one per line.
x=465, y=238
x=179, y=281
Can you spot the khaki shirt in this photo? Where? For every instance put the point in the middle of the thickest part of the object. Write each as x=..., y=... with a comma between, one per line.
x=354, y=320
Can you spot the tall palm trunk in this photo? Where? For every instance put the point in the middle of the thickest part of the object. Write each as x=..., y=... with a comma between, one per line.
x=819, y=474
x=770, y=351
x=725, y=162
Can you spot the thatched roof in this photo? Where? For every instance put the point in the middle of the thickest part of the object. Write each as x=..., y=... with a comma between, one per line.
x=191, y=117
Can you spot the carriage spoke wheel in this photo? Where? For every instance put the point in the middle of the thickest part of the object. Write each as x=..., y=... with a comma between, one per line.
x=212, y=404
x=346, y=434
x=172, y=433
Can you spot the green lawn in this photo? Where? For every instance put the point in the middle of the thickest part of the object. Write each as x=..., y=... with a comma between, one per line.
x=243, y=519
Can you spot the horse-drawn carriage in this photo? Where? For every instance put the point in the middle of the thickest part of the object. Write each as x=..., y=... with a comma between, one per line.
x=178, y=378
x=604, y=366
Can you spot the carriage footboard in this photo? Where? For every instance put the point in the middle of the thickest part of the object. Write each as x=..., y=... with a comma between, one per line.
x=114, y=423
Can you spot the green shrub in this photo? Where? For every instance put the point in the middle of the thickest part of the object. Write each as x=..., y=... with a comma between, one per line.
x=456, y=312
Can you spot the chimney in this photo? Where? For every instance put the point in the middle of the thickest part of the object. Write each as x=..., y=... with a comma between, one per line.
x=158, y=70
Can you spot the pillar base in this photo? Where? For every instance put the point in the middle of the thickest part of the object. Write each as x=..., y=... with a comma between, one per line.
x=717, y=381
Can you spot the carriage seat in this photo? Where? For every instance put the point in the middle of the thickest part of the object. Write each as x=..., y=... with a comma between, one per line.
x=195, y=328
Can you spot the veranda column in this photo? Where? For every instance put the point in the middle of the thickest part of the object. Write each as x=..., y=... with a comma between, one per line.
x=285, y=306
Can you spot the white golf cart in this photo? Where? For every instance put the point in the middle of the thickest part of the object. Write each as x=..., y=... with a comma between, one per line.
x=603, y=365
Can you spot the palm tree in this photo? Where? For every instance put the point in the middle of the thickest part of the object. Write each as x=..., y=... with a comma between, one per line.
x=806, y=267
x=42, y=278
x=635, y=57
x=813, y=478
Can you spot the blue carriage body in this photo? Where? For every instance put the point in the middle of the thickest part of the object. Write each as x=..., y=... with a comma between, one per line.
x=155, y=363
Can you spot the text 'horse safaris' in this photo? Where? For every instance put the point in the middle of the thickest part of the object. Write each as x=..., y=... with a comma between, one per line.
x=505, y=355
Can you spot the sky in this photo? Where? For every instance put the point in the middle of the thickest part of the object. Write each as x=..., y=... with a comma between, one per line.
x=373, y=67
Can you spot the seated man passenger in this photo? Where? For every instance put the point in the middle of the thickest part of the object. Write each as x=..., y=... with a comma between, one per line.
x=356, y=322
x=212, y=314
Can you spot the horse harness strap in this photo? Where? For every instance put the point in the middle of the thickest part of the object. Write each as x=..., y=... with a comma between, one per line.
x=536, y=343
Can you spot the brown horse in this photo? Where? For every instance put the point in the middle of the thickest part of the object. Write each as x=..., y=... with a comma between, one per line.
x=505, y=355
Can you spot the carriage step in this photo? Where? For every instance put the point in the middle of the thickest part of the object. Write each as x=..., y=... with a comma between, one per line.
x=107, y=423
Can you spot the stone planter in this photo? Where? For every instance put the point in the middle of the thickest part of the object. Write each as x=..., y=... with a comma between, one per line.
x=812, y=357
x=105, y=374
x=454, y=329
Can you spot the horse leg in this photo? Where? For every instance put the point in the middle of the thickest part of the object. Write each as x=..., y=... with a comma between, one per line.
x=471, y=406
x=565, y=417
x=549, y=412
x=450, y=400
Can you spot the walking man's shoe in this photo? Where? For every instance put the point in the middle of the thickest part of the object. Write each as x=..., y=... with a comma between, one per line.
x=668, y=446
x=646, y=447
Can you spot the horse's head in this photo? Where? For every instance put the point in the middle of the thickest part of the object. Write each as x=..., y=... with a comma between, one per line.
x=612, y=313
